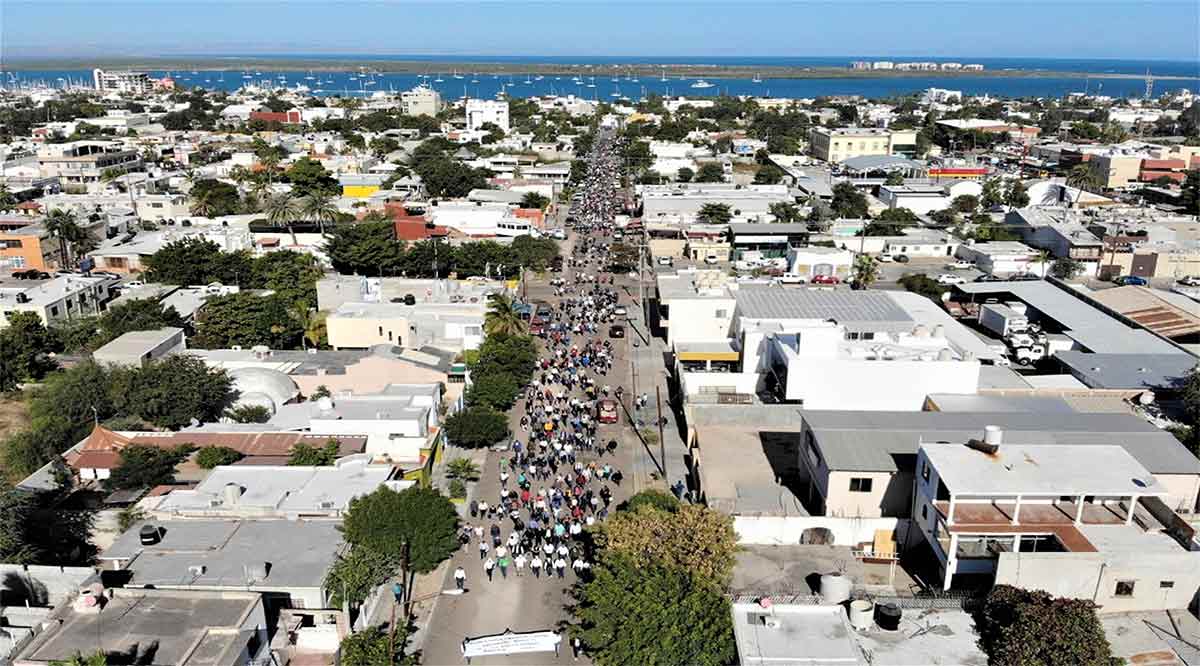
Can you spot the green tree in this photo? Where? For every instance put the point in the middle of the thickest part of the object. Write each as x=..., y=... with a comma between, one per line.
x=534, y=200
x=98, y=658
x=25, y=345
x=448, y=178
x=367, y=248
x=514, y=355
x=308, y=177
x=635, y=614
x=142, y=314
x=694, y=538
x=848, y=203
x=213, y=198
x=246, y=319
x=17, y=509
x=1189, y=192
x=502, y=317
x=417, y=525
x=355, y=574
x=785, y=212
x=715, y=213
x=382, y=145
x=1019, y=626
x=965, y=203
x=172, y=392
x=282, y=212
x=63, y=226
x=497, y=391
x=894, y=178
x=1015, y=195
x=212, y=456
x=993, y=193
x=768, y=174
x=710, y=172
x=920, y=283
x=196, y=261
x=655, y=499
x=370, y=647
x=532, y=253
x=307, y=455
x=318, y=207
x=249, y=414
x=291, y=275
x=685, y=175
x=1085, y=179
x=476, y=427
x=463, y=469
x=1066, y=268
x=865, y=271
x=145, y=467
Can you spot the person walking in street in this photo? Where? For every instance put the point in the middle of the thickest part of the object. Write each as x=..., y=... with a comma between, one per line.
x=560, y=567
x=576, y=648
x=519, y=561
x=489, y=566
x=460, y=579
x=535, y=565
x=483, y=549
x=504, y=566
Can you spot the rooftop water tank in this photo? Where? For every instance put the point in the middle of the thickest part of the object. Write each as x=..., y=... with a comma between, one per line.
x=862, y=613
x=835, y=588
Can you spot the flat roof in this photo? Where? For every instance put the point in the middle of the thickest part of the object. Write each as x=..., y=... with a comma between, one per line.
x=1129, y=371
x=741, y=468
x=192, y=628
x=1165, y=313
x=872, y=441
x=297, y=552
x=873, y=162
x=136, y=343
x=773, y=302
x=1032, y=469
x=1087, y=325
x=281, y=488
x=811, y=635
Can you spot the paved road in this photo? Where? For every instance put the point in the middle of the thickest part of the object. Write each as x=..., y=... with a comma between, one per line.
x=521, y=603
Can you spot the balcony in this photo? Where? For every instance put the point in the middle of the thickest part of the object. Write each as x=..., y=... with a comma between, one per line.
x=1057, y=519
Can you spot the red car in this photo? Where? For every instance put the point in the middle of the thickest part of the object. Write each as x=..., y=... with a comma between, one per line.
x=536, y=326
x=607, y=411
x=825, y=279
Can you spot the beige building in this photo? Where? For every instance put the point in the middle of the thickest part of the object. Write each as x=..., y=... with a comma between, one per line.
x=1116, y=170
x=840, y=144
x=420, y=101
x=364, y=325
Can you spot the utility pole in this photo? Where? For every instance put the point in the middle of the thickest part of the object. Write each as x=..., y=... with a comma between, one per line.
x=662, y=441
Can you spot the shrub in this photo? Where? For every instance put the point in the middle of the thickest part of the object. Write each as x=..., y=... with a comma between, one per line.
x=477, y=427
x=458, y=490
x=212, y=456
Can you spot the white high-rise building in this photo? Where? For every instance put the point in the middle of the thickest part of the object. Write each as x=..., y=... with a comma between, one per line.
x=481, y=111
x=122, y=82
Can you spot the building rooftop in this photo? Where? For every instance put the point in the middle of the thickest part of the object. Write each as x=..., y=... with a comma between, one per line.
x=845, y=307
x=765, y=477
x=1128, y=371
x=1163, y=312
x=190, y=628
x=873, y=441
x=135, y=343
x=279, y=490
x=1031, y=469
x=295, y=553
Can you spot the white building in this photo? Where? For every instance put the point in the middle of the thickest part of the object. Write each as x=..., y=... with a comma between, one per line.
x=62, y=298
x=999, y=257
x=1081, y=521
x=123, y=82
x=481, y=111
x=480, y=219
x=425, y=101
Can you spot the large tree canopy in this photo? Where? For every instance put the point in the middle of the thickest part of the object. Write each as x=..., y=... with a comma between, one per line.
x=418, y=522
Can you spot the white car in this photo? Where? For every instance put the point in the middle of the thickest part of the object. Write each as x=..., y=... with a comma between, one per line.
x=620, y=311
x=946, y=278
x=666, y=261
x=885, y=258
x=960, y=265
x=711, y=259
x=791, y=278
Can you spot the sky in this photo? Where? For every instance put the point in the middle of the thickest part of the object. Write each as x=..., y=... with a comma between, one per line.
x=1166, y=29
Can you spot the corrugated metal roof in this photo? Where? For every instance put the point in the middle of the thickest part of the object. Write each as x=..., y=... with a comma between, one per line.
x=872, y=441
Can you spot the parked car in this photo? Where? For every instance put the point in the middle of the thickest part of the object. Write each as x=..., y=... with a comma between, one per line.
x=616, y=331
x=947, y=278
x=1131, y=281
x=988, y=278
x=825, y=279
x=620, y=311
x=666, y=261
x=1024, y=277
x=901, y=258
x=885, y=258
x=711, y=259
x=792, y=278
x=606, y=411
x=960, y=265
x=1190, y=281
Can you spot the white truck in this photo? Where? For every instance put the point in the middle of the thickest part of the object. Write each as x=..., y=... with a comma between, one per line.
x=1002, y=320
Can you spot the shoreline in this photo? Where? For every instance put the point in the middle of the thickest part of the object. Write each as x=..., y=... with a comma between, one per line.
x=420, y=67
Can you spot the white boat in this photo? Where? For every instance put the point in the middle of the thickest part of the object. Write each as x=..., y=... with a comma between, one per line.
x=438, y=79
x=701, y=83
x=756, y=79
x=457, y=75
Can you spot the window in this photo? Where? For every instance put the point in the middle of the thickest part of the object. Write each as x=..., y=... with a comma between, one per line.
x=1166, y=584
x=721, y=314
x=925, y=470
x=380, y=331
x=53, y=310
x=1124, y=588
x=860, y=485
x=924, y=512
x=11, y=244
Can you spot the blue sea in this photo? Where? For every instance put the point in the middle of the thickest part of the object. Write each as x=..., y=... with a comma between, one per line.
x=610, y=83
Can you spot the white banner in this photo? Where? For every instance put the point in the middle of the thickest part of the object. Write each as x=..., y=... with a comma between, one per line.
x=511, y=643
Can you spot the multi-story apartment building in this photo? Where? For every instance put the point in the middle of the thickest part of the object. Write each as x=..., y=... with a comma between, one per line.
x=482, y=111
x=421, y=101
x=122, y=81
x=79, y=164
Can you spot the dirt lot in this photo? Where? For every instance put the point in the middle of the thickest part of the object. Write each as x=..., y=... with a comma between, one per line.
x=14, y=415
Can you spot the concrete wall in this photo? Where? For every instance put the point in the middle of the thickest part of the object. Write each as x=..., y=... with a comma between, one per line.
x=698, y=319
x=364, y=332
x=777, y=530
x=1094, y=576
x=1182, y=491
x=695, y=383
x=890, y=495
x=48, y=585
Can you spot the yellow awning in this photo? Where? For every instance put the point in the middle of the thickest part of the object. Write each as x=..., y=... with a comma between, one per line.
x=709, y=356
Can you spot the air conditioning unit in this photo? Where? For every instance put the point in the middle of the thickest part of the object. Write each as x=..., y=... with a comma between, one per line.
x=326, y=505
x=197, y=569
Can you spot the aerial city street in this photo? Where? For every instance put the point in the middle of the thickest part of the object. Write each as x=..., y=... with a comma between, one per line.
x=371, y=334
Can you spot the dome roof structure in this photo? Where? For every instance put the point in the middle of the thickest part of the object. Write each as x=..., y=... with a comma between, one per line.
x=263, y=386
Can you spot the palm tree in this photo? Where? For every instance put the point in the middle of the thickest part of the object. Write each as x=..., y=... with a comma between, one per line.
x=866, y=271
x=1043, y=256
x=319, y=208
x=269, y=160
x=1083, y=177
x=502, y=317
x=202, y=202
x=313, y=323
x=63, y=226
x=282, y=211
